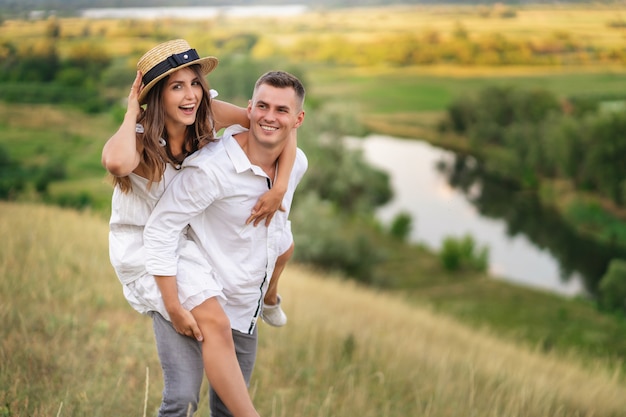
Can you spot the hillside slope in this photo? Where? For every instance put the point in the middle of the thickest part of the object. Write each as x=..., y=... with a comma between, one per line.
x=69, y=344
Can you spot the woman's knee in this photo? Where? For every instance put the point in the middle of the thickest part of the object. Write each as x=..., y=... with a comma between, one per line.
x=211, y=316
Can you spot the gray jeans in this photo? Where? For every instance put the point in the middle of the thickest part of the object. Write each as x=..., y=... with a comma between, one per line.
x=183, y=370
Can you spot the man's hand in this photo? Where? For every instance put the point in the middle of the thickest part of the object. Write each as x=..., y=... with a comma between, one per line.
x=185, y=324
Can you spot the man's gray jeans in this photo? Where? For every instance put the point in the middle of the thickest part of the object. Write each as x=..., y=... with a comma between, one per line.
x=183, y=370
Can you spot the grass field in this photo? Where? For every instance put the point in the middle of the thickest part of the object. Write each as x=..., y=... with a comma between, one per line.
x=409, y=94
x=70, y=345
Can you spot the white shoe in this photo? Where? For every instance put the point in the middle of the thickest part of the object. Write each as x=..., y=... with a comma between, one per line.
x=273, y=314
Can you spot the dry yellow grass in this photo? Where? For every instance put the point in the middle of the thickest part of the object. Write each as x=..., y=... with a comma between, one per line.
x=70, y=345
x=435, y=365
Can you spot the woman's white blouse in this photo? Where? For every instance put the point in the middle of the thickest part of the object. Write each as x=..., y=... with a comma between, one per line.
x=129, y=214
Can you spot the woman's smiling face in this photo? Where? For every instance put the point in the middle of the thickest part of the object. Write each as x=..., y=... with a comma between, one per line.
x=182, y=94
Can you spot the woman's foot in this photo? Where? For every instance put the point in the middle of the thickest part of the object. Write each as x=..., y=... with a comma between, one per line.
x=273, y=314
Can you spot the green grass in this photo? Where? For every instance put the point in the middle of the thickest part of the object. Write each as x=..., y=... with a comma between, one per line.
x=41, y=136
x=596, y=221
x=533, y=317
x=427, y=90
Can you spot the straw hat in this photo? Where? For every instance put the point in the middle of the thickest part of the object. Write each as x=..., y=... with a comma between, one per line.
x=166, y=58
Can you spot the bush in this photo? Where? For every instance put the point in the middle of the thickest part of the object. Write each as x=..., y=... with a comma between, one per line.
x=53, y=171
x=12, y=180
x=80, y=201
x=51, y=93
x=612, y=289
x=331, y=240
x=342, y=176
x=401, y=226
x=462, y=254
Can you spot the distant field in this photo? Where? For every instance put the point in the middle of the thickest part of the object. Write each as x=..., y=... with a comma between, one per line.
x=598, y=25
x=589, y=23
x=382, y=89
x=432, y=89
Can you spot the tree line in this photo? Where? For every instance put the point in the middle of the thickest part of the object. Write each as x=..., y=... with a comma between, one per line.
x=542, y=136
x=35, y=72
x=431, y=47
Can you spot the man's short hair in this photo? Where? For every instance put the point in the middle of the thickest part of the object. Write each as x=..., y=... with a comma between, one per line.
x=282, y=79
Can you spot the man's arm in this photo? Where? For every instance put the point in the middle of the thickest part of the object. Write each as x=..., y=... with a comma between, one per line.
x=186, y=196
x=182, y=320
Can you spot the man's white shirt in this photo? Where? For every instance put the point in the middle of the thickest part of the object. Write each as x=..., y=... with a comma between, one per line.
x=214, y=194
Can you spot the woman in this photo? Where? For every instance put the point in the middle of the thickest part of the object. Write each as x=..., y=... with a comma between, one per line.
x=143, y=156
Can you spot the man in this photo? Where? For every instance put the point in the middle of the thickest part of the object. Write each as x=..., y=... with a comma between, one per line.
x=215, y=190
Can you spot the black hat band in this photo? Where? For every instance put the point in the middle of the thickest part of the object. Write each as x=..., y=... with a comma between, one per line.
x=173, y=61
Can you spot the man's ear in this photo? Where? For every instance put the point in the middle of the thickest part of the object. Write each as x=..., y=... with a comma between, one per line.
x=299, y=120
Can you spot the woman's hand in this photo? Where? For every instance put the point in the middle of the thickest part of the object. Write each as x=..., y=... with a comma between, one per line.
x=266, y=207
x=133, y=96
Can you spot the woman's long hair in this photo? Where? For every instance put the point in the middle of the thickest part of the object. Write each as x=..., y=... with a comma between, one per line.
x=154, y=156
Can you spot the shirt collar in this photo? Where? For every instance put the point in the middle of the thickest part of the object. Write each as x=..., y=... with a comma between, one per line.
x=237, y=155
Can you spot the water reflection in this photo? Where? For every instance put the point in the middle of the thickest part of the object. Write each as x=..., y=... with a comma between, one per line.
x=447, y=195
x=577, y=255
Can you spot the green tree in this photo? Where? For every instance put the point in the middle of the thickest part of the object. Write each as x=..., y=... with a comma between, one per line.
x=35, y=62
x=343, y=177
x=53, y=28
x=463, y=254
x=11, y=176
x=607, y=155
x=401, y=226
x=567, y=143
x=612, y=288
x=87, y=58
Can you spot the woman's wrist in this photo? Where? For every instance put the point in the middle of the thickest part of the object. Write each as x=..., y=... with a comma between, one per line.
x=279, y=188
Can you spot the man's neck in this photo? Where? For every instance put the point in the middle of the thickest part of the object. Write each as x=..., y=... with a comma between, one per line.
x=264, y=157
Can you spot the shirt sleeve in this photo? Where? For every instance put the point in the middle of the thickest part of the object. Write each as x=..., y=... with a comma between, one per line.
x=301, y=166
x=189, y=193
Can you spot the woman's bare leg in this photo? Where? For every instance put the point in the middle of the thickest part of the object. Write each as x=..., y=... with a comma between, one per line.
x=220, y=361
x=271, y=296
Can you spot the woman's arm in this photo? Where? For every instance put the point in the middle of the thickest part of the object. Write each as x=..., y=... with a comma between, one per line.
x=120, y=155
x=226, y=114
x=272, y=200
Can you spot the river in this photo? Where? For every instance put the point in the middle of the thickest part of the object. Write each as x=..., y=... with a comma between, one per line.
x=198, y=12
x=528, y=245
